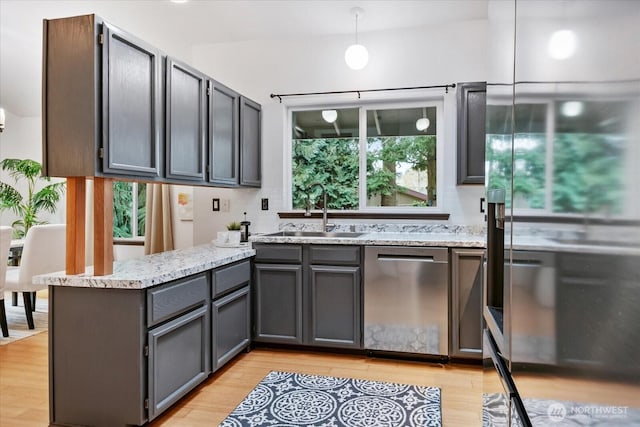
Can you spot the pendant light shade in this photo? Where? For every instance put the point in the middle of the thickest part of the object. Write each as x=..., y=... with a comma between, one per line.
x=356, y=56
x=422, y=124
x=329, y=116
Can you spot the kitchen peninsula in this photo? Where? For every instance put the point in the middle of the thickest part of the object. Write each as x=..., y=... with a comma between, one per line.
x=126, y=346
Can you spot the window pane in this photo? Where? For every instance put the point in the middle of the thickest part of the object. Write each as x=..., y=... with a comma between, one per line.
x=142, y=209
x=588, y=151
x=530, y=147
x=498, y=149
x=122, y=209
x=325, y=150
x=529, y=151
x=401, y=157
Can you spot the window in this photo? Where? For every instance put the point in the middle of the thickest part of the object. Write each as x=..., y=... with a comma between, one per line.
x=129, y=211
x=568, y=156
x=373, y=157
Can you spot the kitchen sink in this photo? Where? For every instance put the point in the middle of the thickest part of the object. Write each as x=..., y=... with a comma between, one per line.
x=344, y=234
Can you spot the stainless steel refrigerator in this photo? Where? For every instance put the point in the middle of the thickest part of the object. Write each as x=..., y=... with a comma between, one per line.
x=562, y=285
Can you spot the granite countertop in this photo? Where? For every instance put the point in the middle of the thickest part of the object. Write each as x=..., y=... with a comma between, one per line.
x=151, y=270
x=467, y=240
x=455, y=240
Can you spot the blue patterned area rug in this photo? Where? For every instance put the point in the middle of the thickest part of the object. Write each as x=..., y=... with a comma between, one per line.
x=284, y=399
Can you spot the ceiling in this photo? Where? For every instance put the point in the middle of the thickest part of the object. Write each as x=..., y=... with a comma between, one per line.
x=176, y=28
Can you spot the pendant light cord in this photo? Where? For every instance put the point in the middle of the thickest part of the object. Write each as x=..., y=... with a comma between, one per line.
x=356, y=28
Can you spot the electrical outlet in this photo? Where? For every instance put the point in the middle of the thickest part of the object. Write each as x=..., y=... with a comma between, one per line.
x=215, y=205
x=225, y=205
x=265, y=204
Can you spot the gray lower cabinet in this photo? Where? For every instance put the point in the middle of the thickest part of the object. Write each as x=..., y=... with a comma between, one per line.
x=466, y=303
x=334, y=306
x=178, y=359
x=120, y=357
x=278, y=303
x=114, y=124
x=308, y=294
x=230, y=312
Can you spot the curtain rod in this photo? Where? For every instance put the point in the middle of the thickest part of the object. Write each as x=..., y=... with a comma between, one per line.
x=283, y=95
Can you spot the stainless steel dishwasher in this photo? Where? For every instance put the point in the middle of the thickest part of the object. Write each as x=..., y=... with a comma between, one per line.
x=406, y=299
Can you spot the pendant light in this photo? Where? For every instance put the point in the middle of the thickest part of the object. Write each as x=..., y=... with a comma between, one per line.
x=356, y=56
x=422, y=124
x=329, y=116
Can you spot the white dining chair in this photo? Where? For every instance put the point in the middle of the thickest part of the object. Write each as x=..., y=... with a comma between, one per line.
x=44, y=252
x=5, y=244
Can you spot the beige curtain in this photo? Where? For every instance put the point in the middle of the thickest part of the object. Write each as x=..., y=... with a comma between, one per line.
x=158, y=233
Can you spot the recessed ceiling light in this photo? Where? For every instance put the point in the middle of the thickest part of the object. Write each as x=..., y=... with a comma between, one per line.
x=178, y=1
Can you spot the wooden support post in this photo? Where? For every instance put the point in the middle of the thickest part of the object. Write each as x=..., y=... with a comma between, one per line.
x=76, y=195
x=103, y=226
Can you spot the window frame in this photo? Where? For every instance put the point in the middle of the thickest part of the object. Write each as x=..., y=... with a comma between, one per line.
x=431, y=100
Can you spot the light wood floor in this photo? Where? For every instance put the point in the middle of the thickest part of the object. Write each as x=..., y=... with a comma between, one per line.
x=24, y=390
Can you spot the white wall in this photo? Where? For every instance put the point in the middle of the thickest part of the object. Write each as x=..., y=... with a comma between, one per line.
x=22, y=139
x=412, y=57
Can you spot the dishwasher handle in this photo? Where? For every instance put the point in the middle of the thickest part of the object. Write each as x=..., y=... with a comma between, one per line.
x=411, y=254
x=408, y=258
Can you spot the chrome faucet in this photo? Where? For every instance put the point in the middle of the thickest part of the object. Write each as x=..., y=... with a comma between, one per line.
x=325, y=225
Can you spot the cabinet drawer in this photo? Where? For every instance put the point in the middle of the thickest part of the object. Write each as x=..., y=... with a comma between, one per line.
x=167, y=301
x=227, y=278
x=334, y=255
x=284, y=254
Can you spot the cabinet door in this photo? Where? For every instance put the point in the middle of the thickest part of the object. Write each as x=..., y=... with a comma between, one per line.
x=230, y=319
x=278, y=301
x=224, y=155
x=472, y=107
x=250, y=143
x=334, y=307
x=466, y=303
x=179, y=358
x=185, y=122
x=131, y=110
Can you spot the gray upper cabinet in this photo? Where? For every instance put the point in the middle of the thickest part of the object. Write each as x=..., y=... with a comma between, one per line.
x=118, y=107
x=186, y=122
x=250, y=143
x=472, y=107
x=112, y=126
x=224, y=130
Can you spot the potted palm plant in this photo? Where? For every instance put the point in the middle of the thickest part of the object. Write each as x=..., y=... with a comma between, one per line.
x=27, y=208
